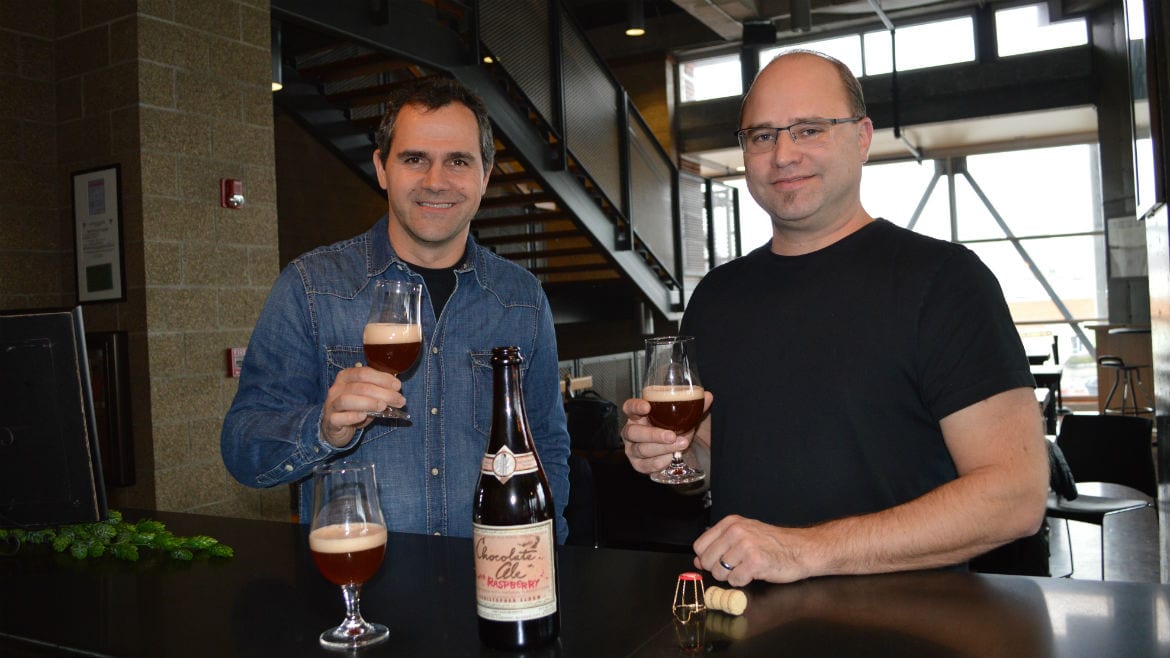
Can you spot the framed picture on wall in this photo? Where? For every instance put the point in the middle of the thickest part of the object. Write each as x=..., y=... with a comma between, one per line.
x=97, y=235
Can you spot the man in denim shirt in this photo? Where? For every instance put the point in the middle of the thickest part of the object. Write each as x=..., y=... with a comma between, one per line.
x=303, y=400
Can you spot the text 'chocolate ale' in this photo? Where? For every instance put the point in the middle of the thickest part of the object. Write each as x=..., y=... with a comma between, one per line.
x=512, y=532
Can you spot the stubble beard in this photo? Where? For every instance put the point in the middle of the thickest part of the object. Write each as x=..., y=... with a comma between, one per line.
x=787, y=213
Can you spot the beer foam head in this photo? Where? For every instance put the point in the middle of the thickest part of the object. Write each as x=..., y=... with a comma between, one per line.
x=382, y=333
x=669, y=393
x=340, y=538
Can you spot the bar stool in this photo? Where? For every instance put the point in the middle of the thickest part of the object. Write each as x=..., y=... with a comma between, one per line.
x=1129, y=378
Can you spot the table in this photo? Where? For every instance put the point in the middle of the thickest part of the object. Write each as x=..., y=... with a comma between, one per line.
x=269, y=600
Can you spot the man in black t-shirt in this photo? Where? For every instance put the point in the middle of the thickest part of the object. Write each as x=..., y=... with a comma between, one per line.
x=870, y=403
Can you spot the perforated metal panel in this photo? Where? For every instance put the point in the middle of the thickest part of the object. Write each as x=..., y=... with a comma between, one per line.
x=692, y=207
x=650, y=199
x=514, y=32
x=591, y=111
x=723, y=201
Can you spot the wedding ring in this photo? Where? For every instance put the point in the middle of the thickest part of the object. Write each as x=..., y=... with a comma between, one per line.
x=725, y=565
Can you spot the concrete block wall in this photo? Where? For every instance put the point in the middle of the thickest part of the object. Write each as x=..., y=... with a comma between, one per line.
x=205, y=113
x=36, y=250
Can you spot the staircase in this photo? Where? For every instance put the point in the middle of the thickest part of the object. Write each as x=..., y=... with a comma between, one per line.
x=571, y=150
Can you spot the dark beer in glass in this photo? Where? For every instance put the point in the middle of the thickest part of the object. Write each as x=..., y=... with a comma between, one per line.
x=391, y=347
x=347, y=556
x=676, y=408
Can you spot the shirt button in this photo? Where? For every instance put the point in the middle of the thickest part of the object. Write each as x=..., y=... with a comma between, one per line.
x=434, y=350
x=434, y=411
x=434, y=471
x=288, y=468
x=438, y=534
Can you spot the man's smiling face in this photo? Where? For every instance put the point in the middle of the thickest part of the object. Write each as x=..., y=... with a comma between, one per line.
x=434, y=180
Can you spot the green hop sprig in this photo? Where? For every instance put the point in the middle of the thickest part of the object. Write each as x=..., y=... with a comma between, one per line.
x=118, y=538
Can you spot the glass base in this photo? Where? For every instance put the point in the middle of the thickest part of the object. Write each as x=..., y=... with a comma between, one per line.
x=346, y=637
x=389, y=412
x=677, y=474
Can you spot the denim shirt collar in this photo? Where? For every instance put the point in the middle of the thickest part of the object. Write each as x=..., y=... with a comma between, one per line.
x=380, y=254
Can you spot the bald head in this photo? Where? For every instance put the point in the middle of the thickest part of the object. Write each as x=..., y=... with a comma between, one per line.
x=811, y=63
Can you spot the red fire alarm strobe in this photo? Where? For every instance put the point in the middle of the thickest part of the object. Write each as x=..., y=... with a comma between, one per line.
x=231, y=193
x=235, y=360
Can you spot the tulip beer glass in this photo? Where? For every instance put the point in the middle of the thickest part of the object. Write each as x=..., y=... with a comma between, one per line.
x=392, y=338
x=348, y=541
x=671, y=386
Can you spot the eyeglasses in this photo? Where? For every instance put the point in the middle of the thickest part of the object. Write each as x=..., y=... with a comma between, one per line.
x=812, y=132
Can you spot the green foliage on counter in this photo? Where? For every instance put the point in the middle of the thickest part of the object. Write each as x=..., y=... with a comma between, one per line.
x=118, y=538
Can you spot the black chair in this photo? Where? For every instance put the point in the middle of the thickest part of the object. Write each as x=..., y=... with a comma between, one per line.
x=1115, y=449
x=1101, y=449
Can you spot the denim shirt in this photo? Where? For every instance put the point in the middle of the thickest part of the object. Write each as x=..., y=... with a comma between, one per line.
x=311, y=328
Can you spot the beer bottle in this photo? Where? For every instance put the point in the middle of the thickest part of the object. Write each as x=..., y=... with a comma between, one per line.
x=512, y=524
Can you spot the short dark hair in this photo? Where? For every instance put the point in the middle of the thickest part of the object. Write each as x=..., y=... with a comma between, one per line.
x=852, y=86
x=432, y=93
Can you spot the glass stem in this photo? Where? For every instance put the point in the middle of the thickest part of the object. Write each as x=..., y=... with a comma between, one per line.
x=353, y=613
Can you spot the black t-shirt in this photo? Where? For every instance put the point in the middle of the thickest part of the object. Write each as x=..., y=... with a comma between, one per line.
x=831, y=371
x=440, y=283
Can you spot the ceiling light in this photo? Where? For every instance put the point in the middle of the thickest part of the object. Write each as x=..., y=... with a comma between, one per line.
x=635, y=19
x=801, y=16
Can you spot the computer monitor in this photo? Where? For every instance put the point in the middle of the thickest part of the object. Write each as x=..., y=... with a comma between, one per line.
x=50, y=466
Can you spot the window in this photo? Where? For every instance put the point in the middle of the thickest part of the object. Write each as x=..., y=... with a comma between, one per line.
x=1052, y=263
x=846, y=48
x=755, y=227
x=1144, y=170
x=1058, y=200
x=1028, y=30
x=893, y=190
x=715, y=77
x=921, y=46
x=1052, y=218
x=1067, y=264
x=1135, y=20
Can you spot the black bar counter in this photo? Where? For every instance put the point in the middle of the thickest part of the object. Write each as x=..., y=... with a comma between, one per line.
x=269, y=600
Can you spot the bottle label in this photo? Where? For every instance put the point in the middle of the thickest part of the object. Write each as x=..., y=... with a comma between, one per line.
x=504, y=464
x=515, y=574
